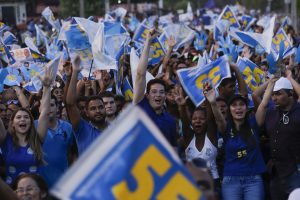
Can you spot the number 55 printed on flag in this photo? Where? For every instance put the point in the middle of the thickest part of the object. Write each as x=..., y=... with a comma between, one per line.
x=192, y=79
x=131, y=160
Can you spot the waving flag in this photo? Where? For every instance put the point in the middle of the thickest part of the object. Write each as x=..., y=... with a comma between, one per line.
x=114, y=28
x=192, y=79
x=29, y=43
x=48, y=15
x=157, y=52
x=6, y=55
x=136, y=162
x=22, y=55
x=41, y=37
x=228, y=14
x=200, y=41
x=279, y=38
x=141, y=33
x=77, y=38
x=9, y=38
x=252, y=75
x=247, y=21
x=285, y=23
x=220, y=27
x=127, y=90
x=13, y=77
x=3, y=27
x=3, y=75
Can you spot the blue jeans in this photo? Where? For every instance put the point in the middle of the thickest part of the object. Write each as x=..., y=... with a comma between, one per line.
x=243, y=188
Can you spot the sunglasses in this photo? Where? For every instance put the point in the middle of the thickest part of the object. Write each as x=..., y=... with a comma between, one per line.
x=12, y=102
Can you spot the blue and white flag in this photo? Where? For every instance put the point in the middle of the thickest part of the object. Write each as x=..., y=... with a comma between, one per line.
x=220, y=27
x=114, y=28
x=136, y=162
x=192, y=79
x=200, y=41
x=247, y=21
x=285, y=23
x=278, y=39
x=6, y=55
x=251, y=73
x=157, y=52
x=48, y=15
x=127, y=90
x=13, y=78
x=141, y=32
x=228, y=14
x=3, y=27
x=3, y=75
x=9, y=38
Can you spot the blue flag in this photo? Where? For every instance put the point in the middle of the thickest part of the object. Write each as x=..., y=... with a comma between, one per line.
x=247, y=21
x=200, y=41
x=157, y=52
x=6, y=53
x=192, y=79
x=9, y=38
x=13, y=78
x=127, y=90
x=141, y=33
x=76, y=38
x=3, y=27
x=3, y=75
x=136, y=162
x=278, y=40
x=252, y=75
x=228, y=14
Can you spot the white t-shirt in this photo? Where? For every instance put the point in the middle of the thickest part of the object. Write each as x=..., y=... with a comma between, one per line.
x=208, y=153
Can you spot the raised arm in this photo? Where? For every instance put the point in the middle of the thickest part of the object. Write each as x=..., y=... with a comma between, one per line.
x=71, y=101
x=294, y=83
x=241, y=83
x=262, y=108
x=21, y=97
x=210, y=95
x=258, y=93
x=43, y=120
x=171, y=43
x=140, y=81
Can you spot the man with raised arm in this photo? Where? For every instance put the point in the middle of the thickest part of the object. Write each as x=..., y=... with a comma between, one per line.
x=152, y=102
x=85, y=130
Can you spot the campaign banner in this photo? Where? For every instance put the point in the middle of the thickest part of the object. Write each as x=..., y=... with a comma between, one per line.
x=247, y=21
x=276, y=48
x=141, y=32
x=251, y=73
x=192, y=79
x=127, y=90
x=228, y=14
x=130, y=160
x=22, y=55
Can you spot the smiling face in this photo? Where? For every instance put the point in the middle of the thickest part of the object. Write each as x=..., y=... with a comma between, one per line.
x=21, y=122
x=198, y=121
x=27, y=189
x=238, y=109
x=157, y=96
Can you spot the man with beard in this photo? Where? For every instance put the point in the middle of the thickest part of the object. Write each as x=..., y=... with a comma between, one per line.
x=86, y=131
x=282, y=124
x=56, y=146
x=153, y=101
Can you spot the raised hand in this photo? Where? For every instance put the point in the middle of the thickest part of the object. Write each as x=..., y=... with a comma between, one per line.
x=48, y=77
x=171, y=42
x=209, y=92
x=76, y=63
x=179, y=97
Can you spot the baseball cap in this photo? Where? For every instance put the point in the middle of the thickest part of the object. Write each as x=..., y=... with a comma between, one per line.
x=282, y=83
x=237, y=97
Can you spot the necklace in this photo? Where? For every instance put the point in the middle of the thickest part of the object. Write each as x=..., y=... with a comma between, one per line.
x=285, y=118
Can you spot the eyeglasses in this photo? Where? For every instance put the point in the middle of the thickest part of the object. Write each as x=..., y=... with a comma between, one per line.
x=26, y=190
x=12, y=102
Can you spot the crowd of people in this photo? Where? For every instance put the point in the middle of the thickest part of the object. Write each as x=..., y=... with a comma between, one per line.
x=233, y=150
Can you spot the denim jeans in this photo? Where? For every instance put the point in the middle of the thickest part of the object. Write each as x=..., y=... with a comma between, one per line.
x=243, y=188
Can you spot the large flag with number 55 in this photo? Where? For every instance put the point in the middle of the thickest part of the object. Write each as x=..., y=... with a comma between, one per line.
x=130, y=161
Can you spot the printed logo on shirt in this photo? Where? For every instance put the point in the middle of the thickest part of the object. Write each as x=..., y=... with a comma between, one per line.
x=29, y=151
x=208, y=152
x=12, y=169
x=241, y=153
x=33, y=169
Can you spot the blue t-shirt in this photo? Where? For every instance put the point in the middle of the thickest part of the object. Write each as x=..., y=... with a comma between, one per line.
x=85, y=135
x=56, y=147
x=242, y=159
x=164, y=121
x=18, y=159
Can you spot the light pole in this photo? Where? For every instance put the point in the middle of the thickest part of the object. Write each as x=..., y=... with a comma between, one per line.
x=81, y=8
x=268, y=9
x=106, y=6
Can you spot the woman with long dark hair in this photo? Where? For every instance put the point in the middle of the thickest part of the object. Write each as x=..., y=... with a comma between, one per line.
x=21, y=144
x=244, y=162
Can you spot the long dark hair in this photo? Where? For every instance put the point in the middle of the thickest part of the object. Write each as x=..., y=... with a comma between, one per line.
x=32, y=136
x=245, y=131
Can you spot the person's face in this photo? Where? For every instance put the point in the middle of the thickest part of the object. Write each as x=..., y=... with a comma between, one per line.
x=53, y=109
x=223, y=108
x=238, y=109
x=58, y=93
x=21, y=122
x=95, y=111
x=280, y=98
x=157, y=96
x=198, y=121
x=110, y=106
x=228, y=89
x=170, y=96
x=27, y=189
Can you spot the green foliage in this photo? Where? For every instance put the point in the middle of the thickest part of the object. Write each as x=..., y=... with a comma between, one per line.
x=92, y=7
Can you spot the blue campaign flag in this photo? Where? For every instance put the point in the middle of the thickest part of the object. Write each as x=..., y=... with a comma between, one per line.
x=10, y=59
x=135, y=162
x=114, y=28
x=48, y=15
x=192, y=79
x=141, y=33
x=220, y=27
x=247, y=21
x=127, y=90
x=157, y=52
x=77, y=38
x=228, y=14
x=200, y=41
x=13, y=78
x=285, y=23
x=281, y=45
x=9, y=38
x=3, y=75
x=3, y=27
x=251, y=73
x=297, y=58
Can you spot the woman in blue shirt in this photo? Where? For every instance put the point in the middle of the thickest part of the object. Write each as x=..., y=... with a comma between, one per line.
x=244, y=162
x=21, y=144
